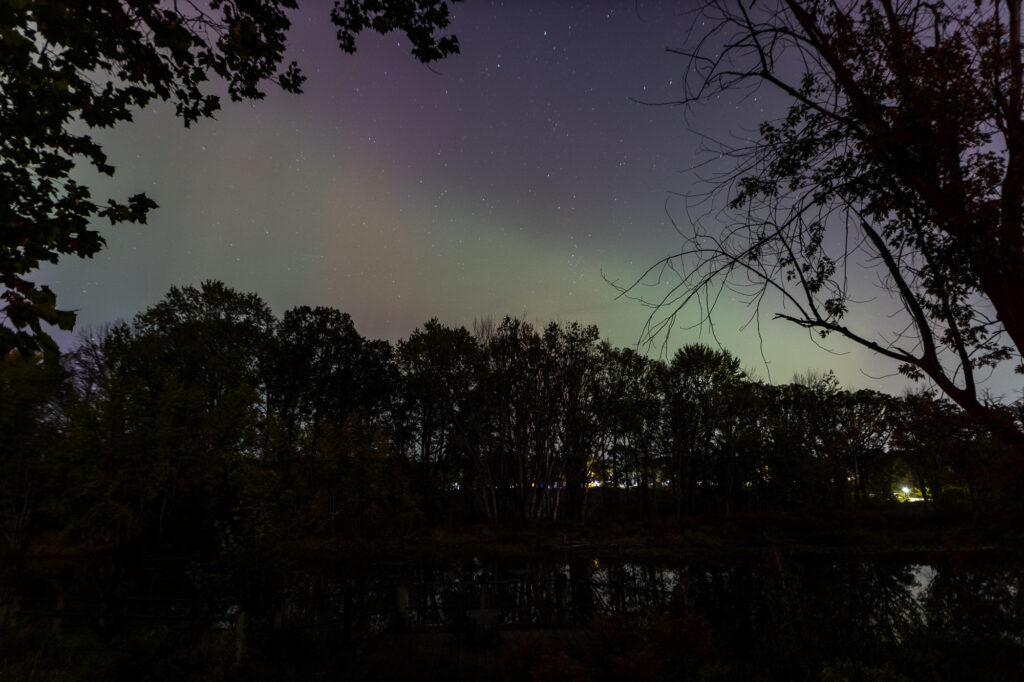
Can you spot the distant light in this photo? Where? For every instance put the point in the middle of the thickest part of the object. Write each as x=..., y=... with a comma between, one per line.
x=905, y=490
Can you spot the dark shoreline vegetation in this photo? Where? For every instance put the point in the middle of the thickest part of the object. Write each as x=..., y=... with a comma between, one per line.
x=208, y=425
x=586, y=614
x=209, y=453
x=911, y=531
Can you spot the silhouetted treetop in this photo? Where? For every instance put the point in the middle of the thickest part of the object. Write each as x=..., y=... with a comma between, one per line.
x=208, y=425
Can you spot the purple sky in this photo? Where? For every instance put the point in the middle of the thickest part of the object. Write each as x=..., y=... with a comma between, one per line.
x=504, y=181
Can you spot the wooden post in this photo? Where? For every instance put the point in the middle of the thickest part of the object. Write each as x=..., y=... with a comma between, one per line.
x=239, y=637
x=202, y=609
x=60, y=609
x=562, y=600
x=402, y=607
x=281, y=627
x=281, y=616
x=8, y=610
x=617, y=577
x=346, y=623
x=109, y=618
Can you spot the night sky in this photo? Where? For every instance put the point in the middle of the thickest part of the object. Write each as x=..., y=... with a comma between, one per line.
x=504, y=180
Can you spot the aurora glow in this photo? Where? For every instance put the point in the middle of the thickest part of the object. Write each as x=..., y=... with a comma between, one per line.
x=506, y=180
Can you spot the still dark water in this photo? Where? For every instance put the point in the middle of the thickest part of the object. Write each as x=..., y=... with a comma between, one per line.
x=769, y=616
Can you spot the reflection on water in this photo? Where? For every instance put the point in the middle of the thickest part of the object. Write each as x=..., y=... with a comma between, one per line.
x=770, y=617
x=924, y=574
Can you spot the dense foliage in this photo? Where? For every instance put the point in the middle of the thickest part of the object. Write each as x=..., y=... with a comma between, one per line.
x=207, y=423
x=69, y=67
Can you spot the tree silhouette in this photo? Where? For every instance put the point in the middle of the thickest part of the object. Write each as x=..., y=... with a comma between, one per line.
x=68, y=66
x=700, y=384
x=206, y=424
x=31, y=419
x=630, y=411
x=182, y=410
x=900, y=161
x=439, y=367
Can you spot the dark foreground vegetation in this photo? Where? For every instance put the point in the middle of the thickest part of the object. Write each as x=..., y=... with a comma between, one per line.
x=242, y=453
x=771, y=615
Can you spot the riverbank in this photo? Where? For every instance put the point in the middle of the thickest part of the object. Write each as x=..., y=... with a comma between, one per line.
x=904, y=529
x=908, y=528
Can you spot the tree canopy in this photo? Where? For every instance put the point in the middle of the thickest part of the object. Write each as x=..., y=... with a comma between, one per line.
x=899, y=162
x=207, y=422
x=68, y=67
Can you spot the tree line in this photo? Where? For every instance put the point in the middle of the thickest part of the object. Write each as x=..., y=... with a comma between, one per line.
x=207, y=422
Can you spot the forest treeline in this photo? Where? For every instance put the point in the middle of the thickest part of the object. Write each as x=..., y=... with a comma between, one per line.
x=206, y=422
